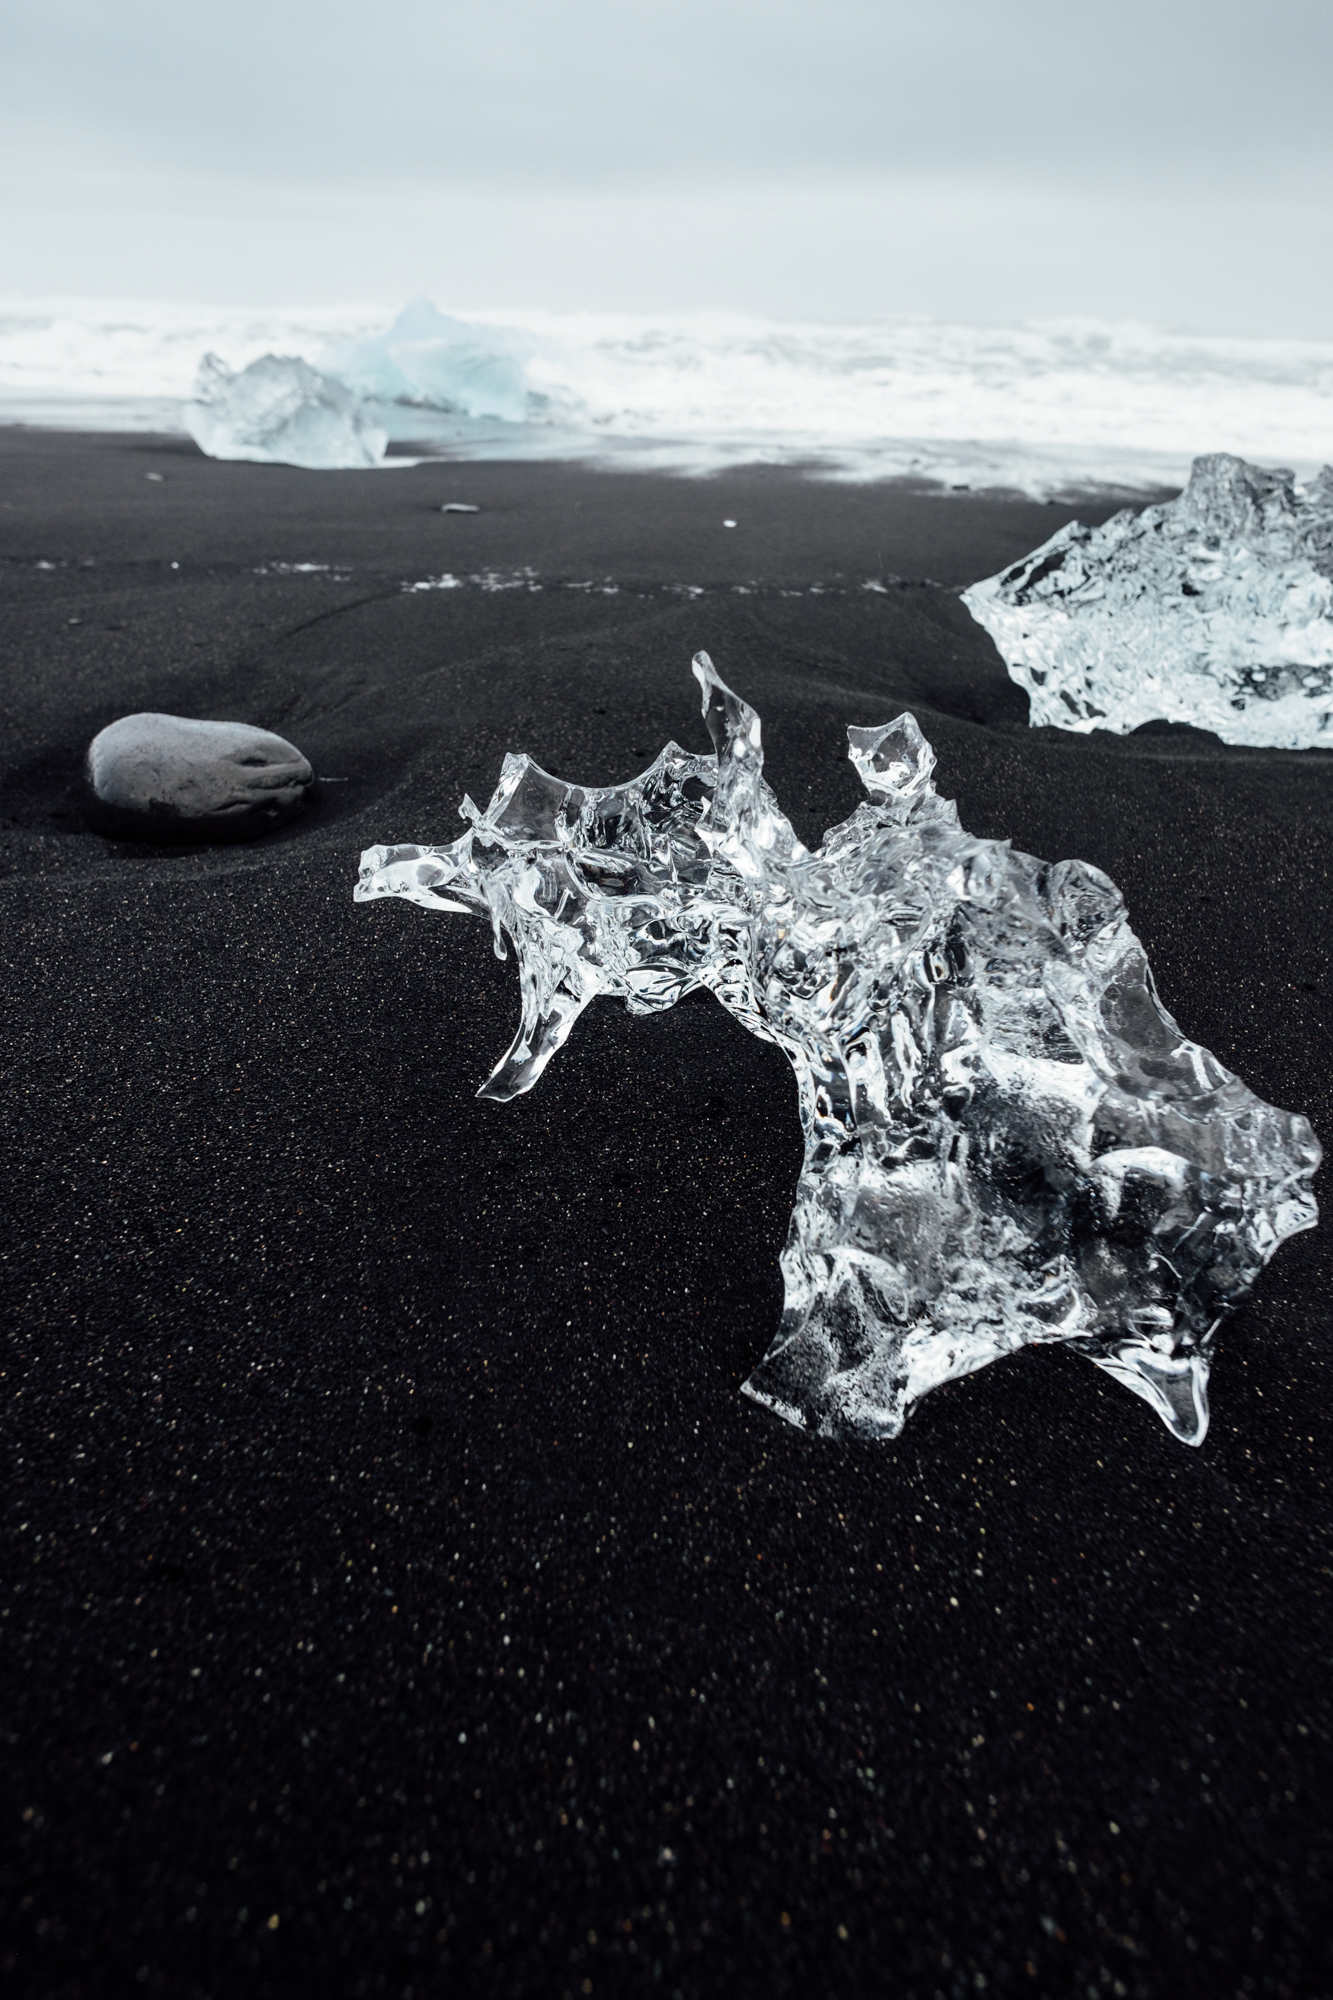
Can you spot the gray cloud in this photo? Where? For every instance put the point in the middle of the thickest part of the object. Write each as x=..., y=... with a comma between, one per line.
x=674, y=92
x=844, y=157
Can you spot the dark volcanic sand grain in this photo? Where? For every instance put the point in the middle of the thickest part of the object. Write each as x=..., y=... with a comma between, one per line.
x=398, y=1594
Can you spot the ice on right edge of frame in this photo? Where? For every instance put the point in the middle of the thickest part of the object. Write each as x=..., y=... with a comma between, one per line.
x=1215, y=609
x=281, y=411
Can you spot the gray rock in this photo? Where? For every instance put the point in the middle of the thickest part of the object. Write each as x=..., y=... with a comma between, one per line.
x=164, y=777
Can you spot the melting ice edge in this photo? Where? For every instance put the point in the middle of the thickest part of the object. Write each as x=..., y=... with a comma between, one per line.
x=1008, y=1139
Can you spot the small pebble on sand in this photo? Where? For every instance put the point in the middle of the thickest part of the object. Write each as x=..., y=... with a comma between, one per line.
x=168, y=777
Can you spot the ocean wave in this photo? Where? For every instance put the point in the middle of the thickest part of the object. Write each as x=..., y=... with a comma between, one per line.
x=1043, y=408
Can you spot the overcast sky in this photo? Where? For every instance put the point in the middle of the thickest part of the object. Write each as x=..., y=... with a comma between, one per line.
x=984, y=160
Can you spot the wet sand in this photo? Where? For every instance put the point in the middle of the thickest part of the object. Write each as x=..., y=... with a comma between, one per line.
x=398, y=1592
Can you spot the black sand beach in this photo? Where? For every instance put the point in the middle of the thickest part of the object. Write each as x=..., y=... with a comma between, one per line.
x=398, y=1595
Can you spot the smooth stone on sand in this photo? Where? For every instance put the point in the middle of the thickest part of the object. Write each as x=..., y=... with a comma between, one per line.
x=165, y=777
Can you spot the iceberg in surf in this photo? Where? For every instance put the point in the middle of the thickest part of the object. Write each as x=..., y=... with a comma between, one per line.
x=428, y=361
x=1007, y=1138
x=1216, y=609
x=281, y=411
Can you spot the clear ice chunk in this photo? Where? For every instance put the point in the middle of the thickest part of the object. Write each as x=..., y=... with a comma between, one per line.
x=281, y=411
x=429, y=361
x=1007, y=1138
x=1216, y=609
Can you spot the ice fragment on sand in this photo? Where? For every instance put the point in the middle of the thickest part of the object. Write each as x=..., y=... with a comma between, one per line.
x=165, y=777
x=1216, y=609
x=281, y=411
x=1008, y=1140
x=428, y=361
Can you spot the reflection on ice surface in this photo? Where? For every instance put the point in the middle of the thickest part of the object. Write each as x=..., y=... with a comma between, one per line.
x=281, y=411
x=1008, y=1140
x=1216, y=610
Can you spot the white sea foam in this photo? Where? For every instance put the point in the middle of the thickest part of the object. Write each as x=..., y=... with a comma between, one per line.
x=1043, y=408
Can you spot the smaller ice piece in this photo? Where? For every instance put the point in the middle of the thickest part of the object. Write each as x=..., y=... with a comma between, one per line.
x=1216, y=609
x=281, y=411
x=1008, y=1140
x=169, y=777
x=428, y=361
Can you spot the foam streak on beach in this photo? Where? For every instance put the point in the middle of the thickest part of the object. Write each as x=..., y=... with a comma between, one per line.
x=1044, y=408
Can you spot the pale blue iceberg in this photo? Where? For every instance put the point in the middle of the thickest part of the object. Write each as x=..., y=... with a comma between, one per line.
x=427, y=361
